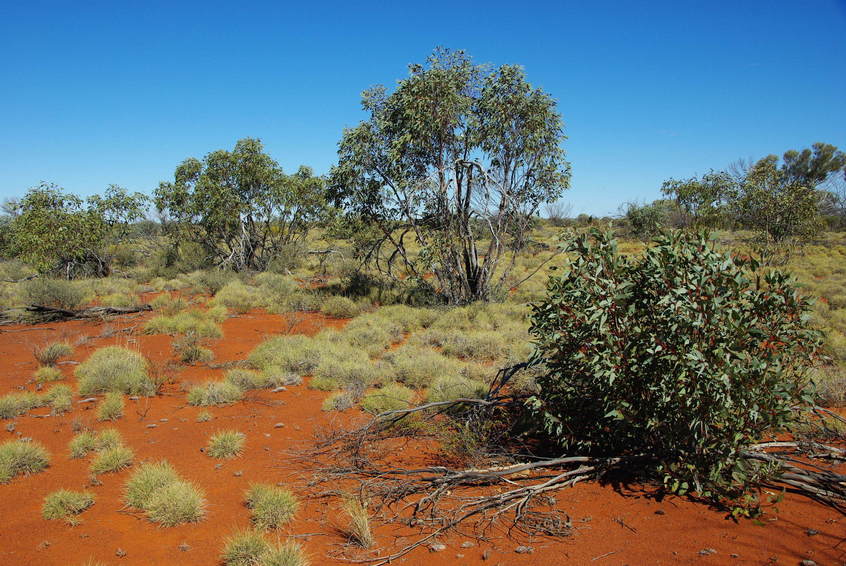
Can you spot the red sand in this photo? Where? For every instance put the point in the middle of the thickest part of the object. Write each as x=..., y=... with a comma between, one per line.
x=614, y=526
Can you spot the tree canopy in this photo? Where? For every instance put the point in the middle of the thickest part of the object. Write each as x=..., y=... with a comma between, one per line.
x=458, y=158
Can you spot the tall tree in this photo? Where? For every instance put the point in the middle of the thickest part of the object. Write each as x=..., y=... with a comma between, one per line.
x=239, y=205
x=458, y=158
x=701, y=198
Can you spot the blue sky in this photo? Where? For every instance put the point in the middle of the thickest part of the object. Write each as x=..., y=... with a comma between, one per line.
x=94, y=93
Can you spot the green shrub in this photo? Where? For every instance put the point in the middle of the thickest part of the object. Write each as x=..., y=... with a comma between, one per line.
x=339, y=307
x=389, y=397
x=189, y=349
x=449, y=388
x=337, y=400
x=111, y=407
x=214, y=393
x=270, y=507
x=59, y=398
x=63, y=503
x=168, y=304
x=487, y=345
x=684, y=353
x=48, y=373
x=247, y=379
x=201, y=324
x=287, y=554
x=238, y=297
x=213, y=281
x=294, y=354
x=16, y=404
x=176, y=503
x=245, y=548
x=226, y=444
x=112, y=459
x=418, y=367
x=115, y=369
x=120, y=300
x=89, y=441
x=49, y=354
x=21, y=458
x=157, y=489
x=58, y=293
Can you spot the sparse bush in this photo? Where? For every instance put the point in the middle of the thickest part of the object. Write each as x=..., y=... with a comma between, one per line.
x=49, y=354
x=204, y=417
x=339, y=307
x=120, y=300
x=238, y=297
x=294, y=354
x=247, y=379
x=214, y=393
x=112, y=459
x=245, y=548
x=168, y=304
x=270, y=507
x=190, y=350
x=418, y=367
x=111, y=407
x=449, y=388
x=157, y=489
x=226, y=444
x=22, y=458
x=45, y=374
x=353, y=371
x=338, y=401
x=115, y=369
x=610, y=331
x=199, y=323
x=58, y=293
x=64, y=503
x=16, y=404
x=286, y=554
x=89, y=441
x=389, y=397
x=59, y=398
x=358, y=529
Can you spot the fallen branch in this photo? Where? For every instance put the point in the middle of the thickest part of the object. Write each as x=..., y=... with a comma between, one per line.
x=53, y=314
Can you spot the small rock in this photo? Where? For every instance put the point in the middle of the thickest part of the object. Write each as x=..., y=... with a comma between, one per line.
x=87, y=400
x=467, y=544
x=707, y=552
x=734, y=555
x=280, y=388
x=218, y=466
x=152, y=425
x=120, y=553
x=812, y=532
x=524, y=550
x=279, y=425
x=437, y=547
x=184, y=547
x=10, y=427
x=808, y=562
x=134, y=397
x=660, y=512
x=163, y=420
x=238, y=474
x=459, y=556
x=267, y=434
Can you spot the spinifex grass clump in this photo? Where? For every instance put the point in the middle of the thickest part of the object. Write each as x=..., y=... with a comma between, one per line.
x=271, y=507
x=167, y=499
x=21, y=458
x=64, y=504
x=49, y=354
x=215, y=393
x=249, y=548
x=115, y=369
x=111, y=407
x=685, y=354
x=226, y=444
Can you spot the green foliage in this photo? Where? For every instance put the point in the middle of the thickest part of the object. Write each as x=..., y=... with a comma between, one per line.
x=408, y=165
x=338, y=400
x=157, y=489
x=389, y=397
x=294, y=354
x=226, y=444
x=59, y=398
x=89, y=441
x=117, y=369
x=112, y=459
x=245, y=548
x=189, y=349
x=418, y=367
x=449, y=388
x=198, y=323
x=339, y=307
x=270, y=507
x=48, y=373
x=215, y=393
x=57, y=293
x=63, y=503
x=111, y=407
x=239, y=206
x=702, y=200
x=49, y=354
x=685, y=354
x=15, y=404
x=21, y=458
x=285, y=554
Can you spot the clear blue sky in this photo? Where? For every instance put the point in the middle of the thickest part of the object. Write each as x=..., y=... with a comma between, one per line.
x=94, y=93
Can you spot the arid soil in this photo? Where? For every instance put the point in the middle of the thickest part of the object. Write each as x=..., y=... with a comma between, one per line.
x=614, y=525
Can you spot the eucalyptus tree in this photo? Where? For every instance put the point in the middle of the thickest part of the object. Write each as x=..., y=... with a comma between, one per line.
x=457, y=159
x=239, y=205
x=702, y=199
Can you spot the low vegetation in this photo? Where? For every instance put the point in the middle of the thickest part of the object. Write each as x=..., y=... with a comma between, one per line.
x=115, y=369
x=164, y=497
x=22, y=458
x=214, y=393
x=49, y=354
x=270, y=507
x=111, y=407
x=249, y=548
x=226, y=444
x=65, y=504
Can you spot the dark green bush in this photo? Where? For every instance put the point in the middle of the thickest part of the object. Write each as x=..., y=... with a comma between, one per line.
x=684, y=354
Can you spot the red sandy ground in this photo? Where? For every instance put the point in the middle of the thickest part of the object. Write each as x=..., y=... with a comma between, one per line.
x=614, y=526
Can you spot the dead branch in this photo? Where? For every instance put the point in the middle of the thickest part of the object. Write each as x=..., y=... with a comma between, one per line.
x=43, y=313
